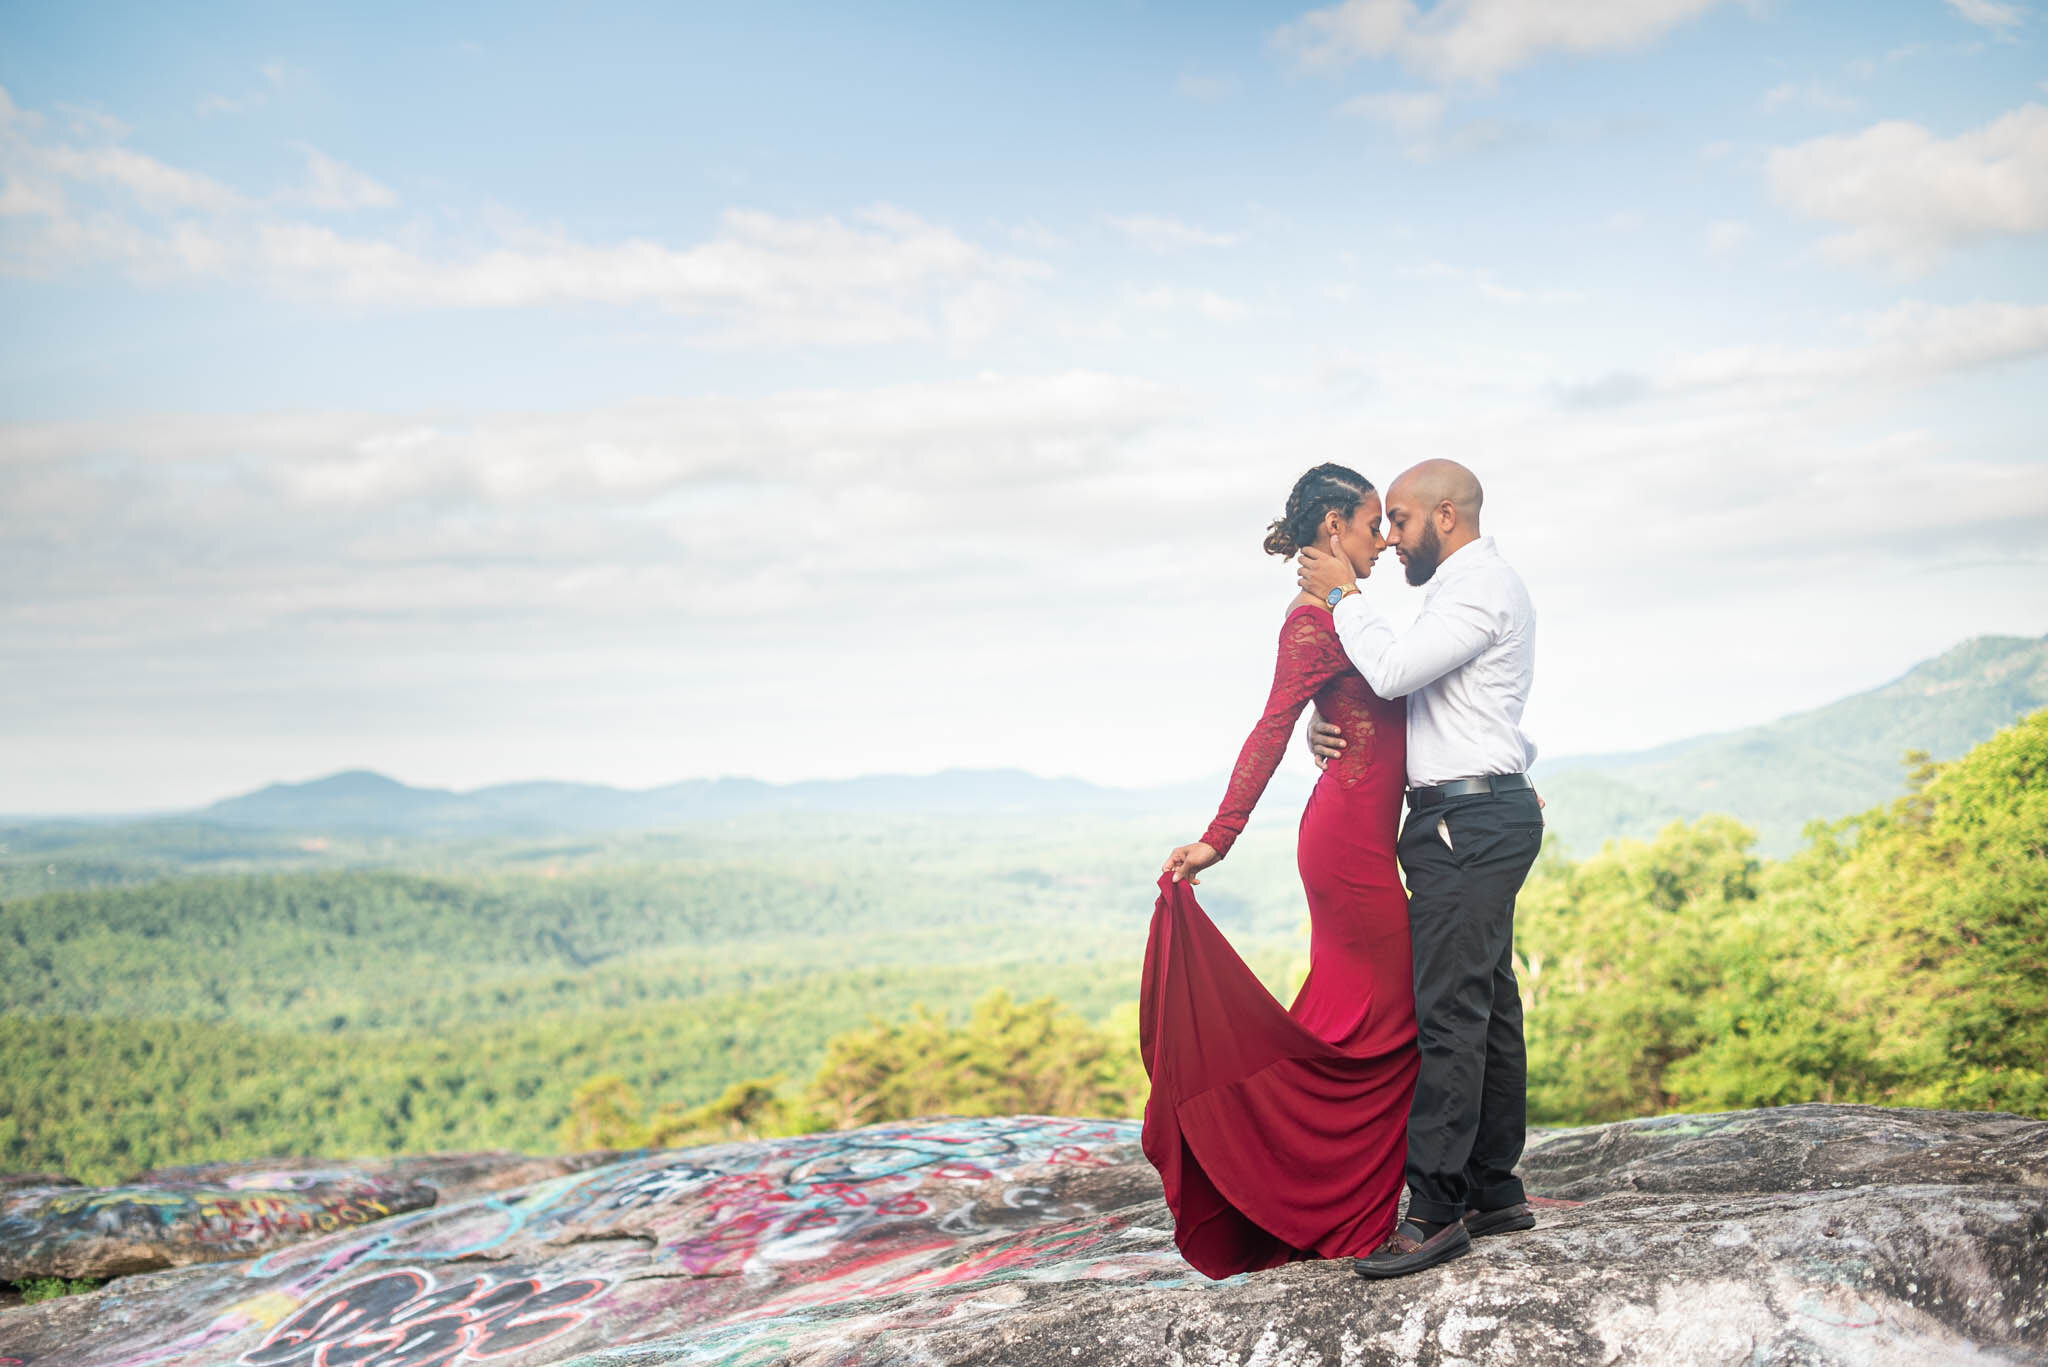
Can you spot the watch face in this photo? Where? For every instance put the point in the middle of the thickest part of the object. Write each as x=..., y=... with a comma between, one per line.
x=1334, y=597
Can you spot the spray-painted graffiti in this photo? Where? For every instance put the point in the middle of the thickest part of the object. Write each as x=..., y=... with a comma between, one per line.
x=101, y=1231
x=816, y=1198
x=240, y=1218
x=921, y=1221
x=945, y=1241
x=402, y=1319
x=653, y=1188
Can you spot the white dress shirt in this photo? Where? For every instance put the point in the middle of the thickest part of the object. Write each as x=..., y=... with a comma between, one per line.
x=1465, y=666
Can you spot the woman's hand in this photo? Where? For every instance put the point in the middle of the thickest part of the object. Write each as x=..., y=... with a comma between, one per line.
x=1189, y=860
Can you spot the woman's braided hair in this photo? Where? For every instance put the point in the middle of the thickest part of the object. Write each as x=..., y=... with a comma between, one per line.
x=1315, y=493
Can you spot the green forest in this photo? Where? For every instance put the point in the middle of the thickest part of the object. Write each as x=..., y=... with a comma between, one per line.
x=667, y=988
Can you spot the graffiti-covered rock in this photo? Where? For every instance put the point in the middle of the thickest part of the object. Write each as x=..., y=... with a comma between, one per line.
x=1790, y=1148
x=1033, y=1241
x=67, y=1230
x=453, y=1176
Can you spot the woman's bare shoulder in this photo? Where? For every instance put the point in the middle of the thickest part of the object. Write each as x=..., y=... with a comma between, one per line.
x=1304, y=599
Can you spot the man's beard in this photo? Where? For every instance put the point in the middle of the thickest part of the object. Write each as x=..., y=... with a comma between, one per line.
x=1423, y=560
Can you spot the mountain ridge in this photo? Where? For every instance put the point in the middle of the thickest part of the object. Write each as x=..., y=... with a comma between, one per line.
x=542, y=806
x=1825, y=763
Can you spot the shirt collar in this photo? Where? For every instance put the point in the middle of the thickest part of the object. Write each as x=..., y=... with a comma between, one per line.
x=1465, y=557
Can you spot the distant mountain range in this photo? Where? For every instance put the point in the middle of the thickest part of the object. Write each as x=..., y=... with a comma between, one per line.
x=1831, y=762
x=362, y=802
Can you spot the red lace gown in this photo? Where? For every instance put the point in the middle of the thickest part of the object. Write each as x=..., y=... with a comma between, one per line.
x=1281, y=1132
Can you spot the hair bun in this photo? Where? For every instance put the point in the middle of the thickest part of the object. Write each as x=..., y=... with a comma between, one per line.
x=1323, y=489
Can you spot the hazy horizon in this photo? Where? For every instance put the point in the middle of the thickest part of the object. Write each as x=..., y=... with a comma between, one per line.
x=1296, y=769
x=479, y=394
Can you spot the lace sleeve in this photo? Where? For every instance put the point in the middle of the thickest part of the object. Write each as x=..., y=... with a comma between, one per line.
x=1310, y=656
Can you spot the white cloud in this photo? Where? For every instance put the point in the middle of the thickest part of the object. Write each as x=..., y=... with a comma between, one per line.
x=879, y=275
x=232, y=104
x=331, y=185
x=1999, y=18
x=1908, y=196
x=1810, y=93
x=1726, y=236
x=1478, y=40
x=1035, y=235
x=885, y=276
x=1410, y=111
x=143, y=530
x=1160, y=233
x=1211, y=305
x=151, y=183
x=346, y=588
x=1483, y=283
x=1911, y=343
x=1207, y=89
x=276, y=75
x=89, y=122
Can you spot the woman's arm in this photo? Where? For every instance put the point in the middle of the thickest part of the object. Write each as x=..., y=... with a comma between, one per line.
x=1309, y=656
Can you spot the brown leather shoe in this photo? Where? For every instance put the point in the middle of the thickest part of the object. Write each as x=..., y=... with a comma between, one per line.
x=1407, y=1250
x=1480, y=1223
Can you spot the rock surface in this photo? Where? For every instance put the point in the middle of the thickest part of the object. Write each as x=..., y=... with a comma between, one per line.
x=453, y=1176
x=1790, y=1148
x=76, y=1231
x=51, y=1226
x=1813, y=1234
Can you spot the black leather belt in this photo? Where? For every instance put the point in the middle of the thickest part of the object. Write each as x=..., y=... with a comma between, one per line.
x=1419, y=798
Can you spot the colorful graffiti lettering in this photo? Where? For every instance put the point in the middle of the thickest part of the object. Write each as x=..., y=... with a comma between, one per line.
x=652, y=1188
x=216, y=1217
x=266, y=1217
x=890, y=1227
x=400, y=1319
x=309, y=1264
x=826, y=1195
x=103, y=1198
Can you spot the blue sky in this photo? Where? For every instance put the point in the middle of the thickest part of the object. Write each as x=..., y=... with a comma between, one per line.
x=483, y=393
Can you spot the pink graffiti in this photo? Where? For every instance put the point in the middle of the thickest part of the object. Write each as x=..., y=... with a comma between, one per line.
x=399, y=1319
x=1077, y=1156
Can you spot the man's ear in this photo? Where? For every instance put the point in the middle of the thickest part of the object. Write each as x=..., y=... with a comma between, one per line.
x=1446, y=518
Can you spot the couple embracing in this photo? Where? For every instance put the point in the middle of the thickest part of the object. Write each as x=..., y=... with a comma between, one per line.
x=1284, y=1133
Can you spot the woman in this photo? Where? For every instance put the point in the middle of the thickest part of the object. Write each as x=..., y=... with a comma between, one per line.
x=1281, y=1133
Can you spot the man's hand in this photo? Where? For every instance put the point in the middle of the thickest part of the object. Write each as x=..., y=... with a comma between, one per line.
x=1322, y=571
x=1325, y=739
x=1189, y=860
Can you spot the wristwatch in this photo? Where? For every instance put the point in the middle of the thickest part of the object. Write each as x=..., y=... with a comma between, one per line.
x=1336, y=595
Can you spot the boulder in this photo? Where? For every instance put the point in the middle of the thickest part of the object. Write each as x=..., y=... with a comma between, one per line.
x=1811, y=1235
x=453, y=1176
x=1789, y=1148
x=51, y=1226
x=62, y=1229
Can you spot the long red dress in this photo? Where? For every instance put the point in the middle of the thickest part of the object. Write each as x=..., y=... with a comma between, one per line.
x=1281, y=1133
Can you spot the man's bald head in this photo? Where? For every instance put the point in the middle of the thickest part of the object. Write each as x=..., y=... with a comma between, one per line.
x=1432, y=513
x=1437, y=482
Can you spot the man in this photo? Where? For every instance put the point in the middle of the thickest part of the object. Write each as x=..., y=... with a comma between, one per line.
x=1474, y=828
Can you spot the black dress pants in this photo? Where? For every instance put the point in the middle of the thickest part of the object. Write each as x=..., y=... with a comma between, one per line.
x=1471, y=1096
